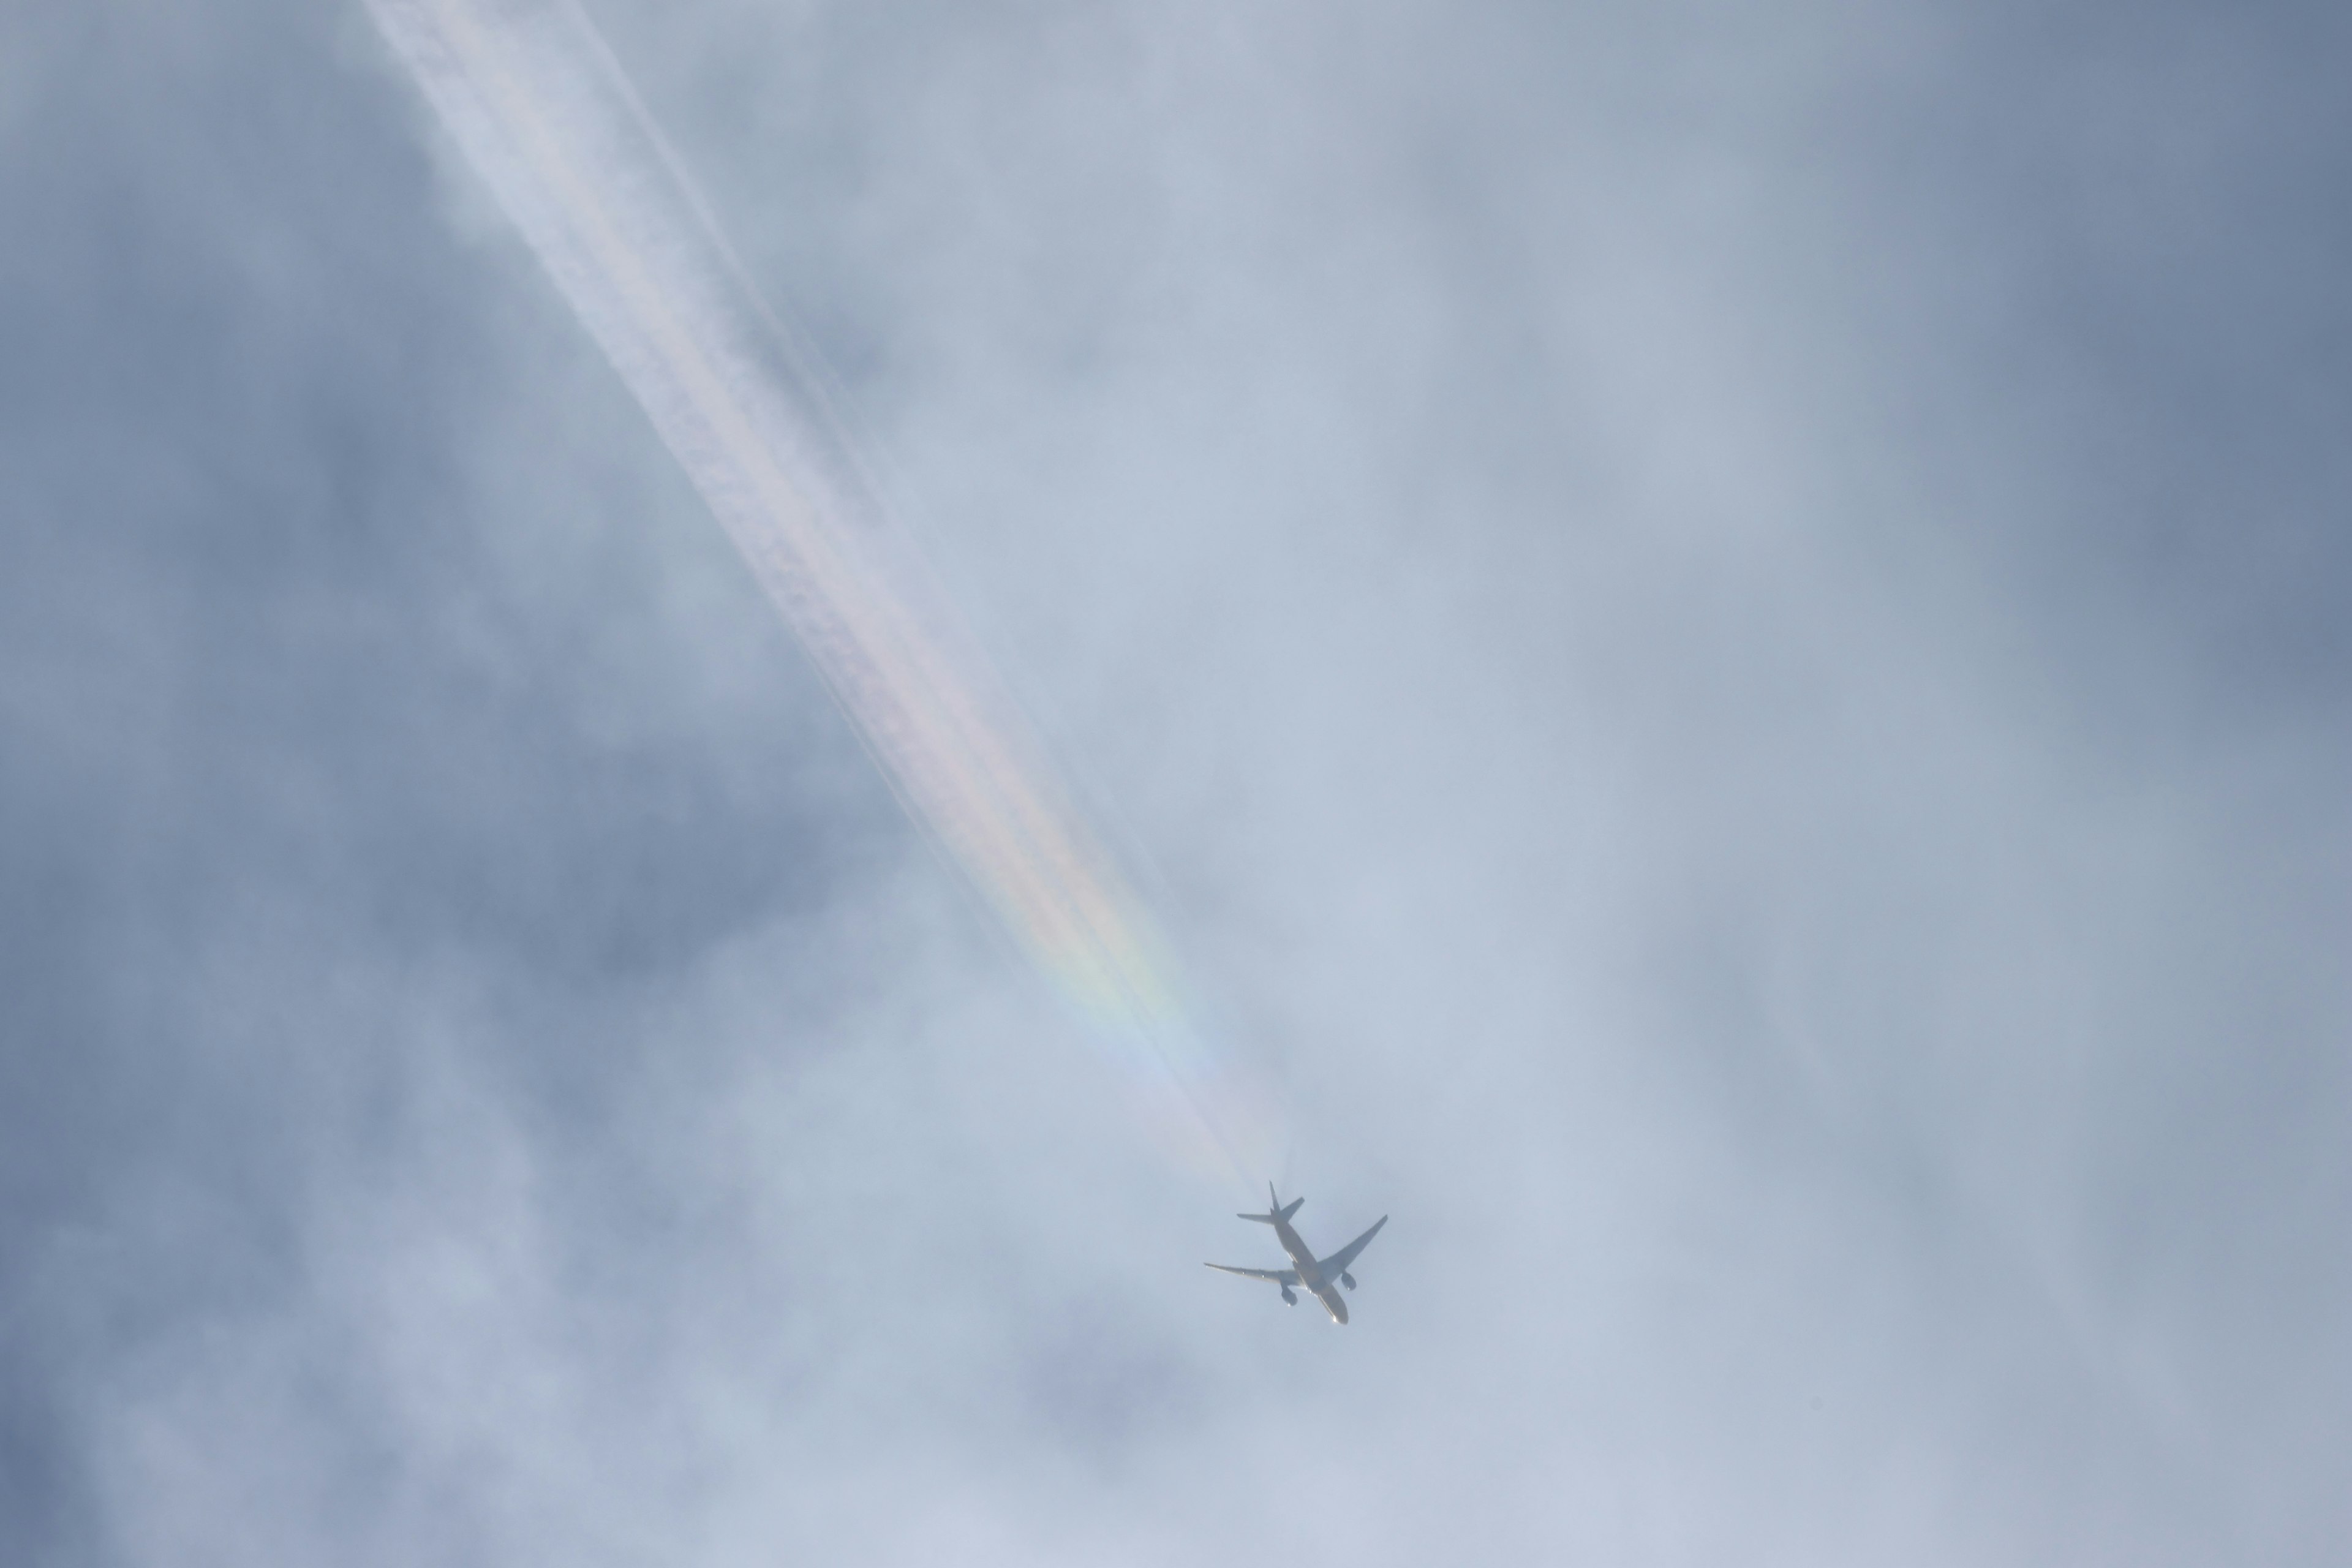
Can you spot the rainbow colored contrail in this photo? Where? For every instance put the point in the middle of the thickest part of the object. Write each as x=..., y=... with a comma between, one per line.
x=542, y=111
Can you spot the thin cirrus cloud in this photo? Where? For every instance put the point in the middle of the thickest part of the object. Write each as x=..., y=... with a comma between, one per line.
x=1714, y=629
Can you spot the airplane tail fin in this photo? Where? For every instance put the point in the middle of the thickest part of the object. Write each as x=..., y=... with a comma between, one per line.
x=1276, y=1209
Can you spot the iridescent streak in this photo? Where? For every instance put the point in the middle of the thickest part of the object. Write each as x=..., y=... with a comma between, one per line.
x=526, y=87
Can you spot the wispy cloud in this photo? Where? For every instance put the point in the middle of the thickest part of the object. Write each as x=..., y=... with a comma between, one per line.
x=1713, y=629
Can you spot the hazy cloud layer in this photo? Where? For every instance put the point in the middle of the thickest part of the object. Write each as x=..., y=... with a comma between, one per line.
x=1724, y=635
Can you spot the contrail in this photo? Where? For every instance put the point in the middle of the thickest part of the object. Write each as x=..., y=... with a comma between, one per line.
x=529, y=92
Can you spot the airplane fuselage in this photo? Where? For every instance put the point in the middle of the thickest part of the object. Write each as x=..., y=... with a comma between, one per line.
x=1310, y=1274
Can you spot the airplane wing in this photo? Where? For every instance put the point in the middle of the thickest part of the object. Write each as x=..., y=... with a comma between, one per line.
x=1279, y=1275
x=1338, y=1262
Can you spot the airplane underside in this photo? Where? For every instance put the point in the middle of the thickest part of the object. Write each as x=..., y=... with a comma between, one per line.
x=1327, y=1272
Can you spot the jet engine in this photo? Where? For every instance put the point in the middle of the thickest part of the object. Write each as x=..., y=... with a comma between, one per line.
x=1348, y=1279
x=1288, y=1297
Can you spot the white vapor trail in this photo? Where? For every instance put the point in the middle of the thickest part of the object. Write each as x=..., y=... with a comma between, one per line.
x=529, y=92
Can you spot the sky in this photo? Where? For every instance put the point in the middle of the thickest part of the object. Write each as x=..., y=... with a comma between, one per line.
x=1720, y=638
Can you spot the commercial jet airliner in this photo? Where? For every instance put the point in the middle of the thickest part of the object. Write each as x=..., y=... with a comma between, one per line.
x=1320, y=1277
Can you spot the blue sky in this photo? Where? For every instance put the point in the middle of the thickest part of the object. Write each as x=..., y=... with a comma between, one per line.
x=1722, y=638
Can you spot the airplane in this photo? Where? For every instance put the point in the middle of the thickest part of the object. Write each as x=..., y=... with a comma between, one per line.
x=1306, y=1273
